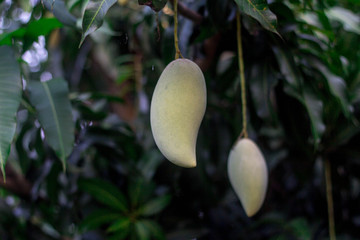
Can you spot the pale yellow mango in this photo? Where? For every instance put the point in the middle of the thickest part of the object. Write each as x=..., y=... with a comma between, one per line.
x=177, y=109
x=248, y=175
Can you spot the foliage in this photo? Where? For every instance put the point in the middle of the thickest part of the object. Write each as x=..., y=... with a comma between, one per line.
x=88, y=107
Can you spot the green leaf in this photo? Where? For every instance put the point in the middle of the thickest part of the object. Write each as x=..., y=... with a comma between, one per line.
x=156, y=5
x=155, y=206
x=142, y=231
x=300, y=228
x=337, y=87
x=259, y=10
x=347, y=18
x=99, y=218
x=60, y=11
x=54, y=113
x=10, y=97
x=35, y=29
x=94, y=14
x=294, y=87
x=314, y=108
x=121, y=224
x=139, y=191
x=105, y=193
x=154, y=229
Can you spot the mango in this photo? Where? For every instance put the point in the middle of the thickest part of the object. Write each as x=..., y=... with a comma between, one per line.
x=177, y=108
x=248, y=175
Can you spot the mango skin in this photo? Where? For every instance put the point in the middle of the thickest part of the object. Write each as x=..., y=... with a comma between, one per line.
x=248, y=175
x=177, y=109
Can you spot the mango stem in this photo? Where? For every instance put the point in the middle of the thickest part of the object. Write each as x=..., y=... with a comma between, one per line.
x=242, y=75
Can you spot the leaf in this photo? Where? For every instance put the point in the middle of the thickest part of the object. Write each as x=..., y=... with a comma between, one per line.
x=314, y=108
x=54, y=113
x=35, y=29
x=259, y=10
x=10, y=97
x=142, y=231
x=121, y=224
x=154, y=229
x=105, y=193
x=155, y=206
x=294, y=88
x=60, y=11
x=347, y=18
x=94, y=14
x=139, y=191
x=99, y=218
x=156, y=5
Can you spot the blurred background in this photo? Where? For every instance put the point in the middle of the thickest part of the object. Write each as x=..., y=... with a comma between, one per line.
x=303, y=92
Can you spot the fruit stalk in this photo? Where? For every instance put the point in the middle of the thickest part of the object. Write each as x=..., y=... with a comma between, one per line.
x=177, y=50
x=329, y=199
x=242, y=75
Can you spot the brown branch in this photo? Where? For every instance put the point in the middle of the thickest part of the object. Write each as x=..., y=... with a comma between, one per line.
x=16, y=183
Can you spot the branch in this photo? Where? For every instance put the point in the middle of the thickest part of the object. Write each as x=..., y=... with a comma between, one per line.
x=16, y=183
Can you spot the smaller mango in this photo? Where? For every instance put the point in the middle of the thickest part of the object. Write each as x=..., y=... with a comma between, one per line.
x=248, y=175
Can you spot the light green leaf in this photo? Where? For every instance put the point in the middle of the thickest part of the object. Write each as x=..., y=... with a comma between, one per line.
x=347, y=18
x=259, y=10
x=94, y=14
x=105, y=193
x=54, y=113
x=155, y=206
x=10, y=97
x=98, y=218
x=35, y=29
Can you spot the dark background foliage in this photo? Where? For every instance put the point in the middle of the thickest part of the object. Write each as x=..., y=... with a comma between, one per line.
x=303, y=88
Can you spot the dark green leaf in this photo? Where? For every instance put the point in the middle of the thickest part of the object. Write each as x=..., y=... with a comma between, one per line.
x=10, y=97
x=99, y=218
x=105, y=193
x=94, y=16
x=154, y=229
x=259, y=10
x=121, y=224
x=299, y=228
x=155, y=206
x=156, y=5
x=314, y=108
x=60, y=11
x=139, y=191
x=54, y=112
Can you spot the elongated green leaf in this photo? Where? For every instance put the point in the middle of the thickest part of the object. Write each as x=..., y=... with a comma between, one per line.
x=99, y=218
x=120, y=224
x=10, y=97
x=155, y=206
x=347, y=18
x=294, y=87
x=154, y=229
x=142, y=231
x=60, y=11
x=105, y=193
x=54, y=113
x=94, y=16
x=35, y=29
x=259, y=10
